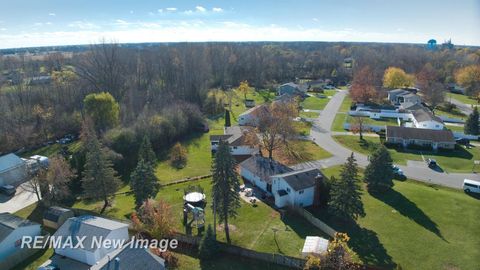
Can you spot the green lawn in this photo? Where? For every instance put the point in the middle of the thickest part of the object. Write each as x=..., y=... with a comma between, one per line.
x=455, y=128
x=337, y=124
x=314, y=103
x=198, y=160
x=299, y=151
x=342, y=118
x=454, y=114
x=303, y=127
x=417, y=226
x=458, y=160
x=51, y=150
x=462, y=98
x=305, y=114
x=347, y=102
x=253, y=227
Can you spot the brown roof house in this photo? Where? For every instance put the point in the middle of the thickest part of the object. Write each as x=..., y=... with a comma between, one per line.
x=405, y=136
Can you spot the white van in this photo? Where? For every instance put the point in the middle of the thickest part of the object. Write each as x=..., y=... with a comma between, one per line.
x=471, y=186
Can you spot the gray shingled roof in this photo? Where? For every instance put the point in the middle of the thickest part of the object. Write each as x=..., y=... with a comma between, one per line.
x=420, y=134
x=10, y=222
x=136, y=259
x=264, y=167
x=88, y=226
x=301, y=179
x=425, y=115
x=10, y=161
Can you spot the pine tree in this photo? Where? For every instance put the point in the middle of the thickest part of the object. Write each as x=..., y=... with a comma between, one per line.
x=100, y=180
x=146, y=152
x=225, y=186
x=379, y=174
x=345, y=201
x=471, y=125
x=208, y=246
x=144, y=183
x=227, y=118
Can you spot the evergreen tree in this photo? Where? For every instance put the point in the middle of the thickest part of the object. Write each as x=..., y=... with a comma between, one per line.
x=227, y=118
x=146, y=152
x=100, y=180
x=144, y=183
x=225, y=186
x=471, y=125
x=379, y=173
x=208, y=246
x=345, y=201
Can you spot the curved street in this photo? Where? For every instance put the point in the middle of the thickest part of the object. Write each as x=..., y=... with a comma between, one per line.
x=321, y=134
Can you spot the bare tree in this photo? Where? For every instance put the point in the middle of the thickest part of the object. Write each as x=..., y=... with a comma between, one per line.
x=357, y=126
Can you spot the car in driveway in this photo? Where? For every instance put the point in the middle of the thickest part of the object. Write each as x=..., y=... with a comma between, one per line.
x=432, y=163
x=8, y=190
x=397, y=171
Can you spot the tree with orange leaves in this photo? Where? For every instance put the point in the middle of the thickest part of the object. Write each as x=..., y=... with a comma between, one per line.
x=363, y=86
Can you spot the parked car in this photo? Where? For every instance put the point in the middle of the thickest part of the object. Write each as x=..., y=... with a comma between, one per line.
x=8, y=190
x=432, y=163
x=463, y=141
x=49, y=267
x=471, y=186
x=397, y=171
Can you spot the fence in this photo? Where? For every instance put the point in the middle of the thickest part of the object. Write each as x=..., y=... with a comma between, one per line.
x=278, y=259
x=315, y=221
x=187, y=180
x=365, y=127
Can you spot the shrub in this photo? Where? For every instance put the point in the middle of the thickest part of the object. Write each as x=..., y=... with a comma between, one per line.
x=178, y=156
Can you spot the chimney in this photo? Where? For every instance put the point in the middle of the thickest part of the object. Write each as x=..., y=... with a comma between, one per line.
x=318, y=189
x=117, y=263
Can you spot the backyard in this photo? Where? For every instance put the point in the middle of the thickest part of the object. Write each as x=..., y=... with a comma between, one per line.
x=462, y=98
x=342, y=118
x=415, y=225
x=299, y=151
x=458, y=160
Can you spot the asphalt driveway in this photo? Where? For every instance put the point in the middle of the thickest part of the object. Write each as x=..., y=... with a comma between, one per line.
x=22, y=198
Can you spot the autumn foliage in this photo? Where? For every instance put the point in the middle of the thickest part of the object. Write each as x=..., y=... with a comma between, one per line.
x=154, y=218
x=363, y=86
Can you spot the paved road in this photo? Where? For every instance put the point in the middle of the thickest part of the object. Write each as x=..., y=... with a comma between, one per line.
x=464, y=108
x=322, y=136
x=22, y=199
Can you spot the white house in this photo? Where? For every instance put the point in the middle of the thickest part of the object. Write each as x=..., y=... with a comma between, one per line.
x=287, y=186
x=12, y=229
x=13, y=170
x=92, y=228
x=236, y=137
x=258, y=170
x=292, y=89
x=430, y=138
x=423, y=118
x=296, y=188
x=400, y=96
x=250, y=117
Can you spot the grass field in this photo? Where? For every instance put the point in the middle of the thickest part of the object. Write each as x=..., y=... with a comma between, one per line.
x=306, y=114
x=199, y=160
x=51, y=150
x=462, y=98
x=303, y=127
x=314, y=103
x=253, y=228
x=454, y=114
x=415, y=225
x=455, y=128
x=458, y=160
x=342, y=118
x=299, y=151
x=347, y=102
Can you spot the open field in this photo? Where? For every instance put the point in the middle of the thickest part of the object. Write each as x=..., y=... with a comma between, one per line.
x=462, y=98
x=453, y=114
x=458, y=160
x=347, y=102
x=253, y=227
x=400, y=224
x=309, y=114
x=51, y=150
x=314, y=103
x=303, y=127
x=342, y=118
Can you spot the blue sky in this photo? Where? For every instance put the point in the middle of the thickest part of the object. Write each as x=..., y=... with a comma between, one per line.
x=25, y=23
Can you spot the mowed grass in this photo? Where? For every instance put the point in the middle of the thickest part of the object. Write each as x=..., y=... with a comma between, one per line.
x=417, y=226
x=342, y=118
x=314, y=103
x=309, y=114
x=253, y=228
x=458, y=160
x=199, y=160
x=53, y=149
x=463, y=98
x=456, y=114
x=302, y=127
x=299, y=151
x=346, y=104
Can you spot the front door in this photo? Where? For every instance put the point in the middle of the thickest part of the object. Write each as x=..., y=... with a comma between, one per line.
x=269, y=188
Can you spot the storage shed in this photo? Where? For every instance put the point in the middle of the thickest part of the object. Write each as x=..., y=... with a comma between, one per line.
x=55, y=216
x=314, y=245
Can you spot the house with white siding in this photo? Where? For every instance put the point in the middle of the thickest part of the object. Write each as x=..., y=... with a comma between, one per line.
x=298, y=188
x=251, y=116
x=238, y=140
x=91, y=228
x=429, y=138
x=13, y=170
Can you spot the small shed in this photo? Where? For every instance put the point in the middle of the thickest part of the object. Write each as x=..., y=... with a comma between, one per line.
x=55, y=216
x=314, y=245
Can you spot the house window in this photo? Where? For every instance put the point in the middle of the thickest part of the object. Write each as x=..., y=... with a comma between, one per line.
x=288, y=189
x=436, y=126
x=300, y=192
x=234, y=147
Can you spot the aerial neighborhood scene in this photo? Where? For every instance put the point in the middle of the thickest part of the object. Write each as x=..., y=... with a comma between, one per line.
x=145, y=135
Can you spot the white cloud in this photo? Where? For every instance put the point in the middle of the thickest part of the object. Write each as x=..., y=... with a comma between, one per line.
x=171, y=9
x=200, y=9
x=48, y=23
x=83, y=25
x=217, y=9
x=83, y=32
x=188, y=12
x=315, y=19
x=121, y=22
x=3, y=29
x=52, y=14
x=160, y=10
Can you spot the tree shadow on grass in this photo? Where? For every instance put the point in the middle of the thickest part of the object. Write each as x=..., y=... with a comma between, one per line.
x=408, y=209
